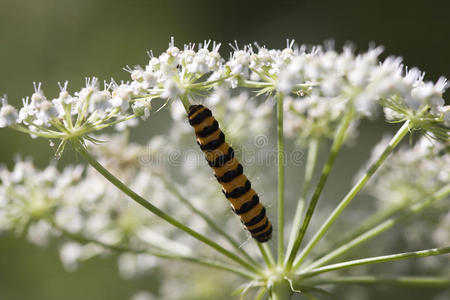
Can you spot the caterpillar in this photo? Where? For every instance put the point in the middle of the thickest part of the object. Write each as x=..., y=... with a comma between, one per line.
x=229, y=173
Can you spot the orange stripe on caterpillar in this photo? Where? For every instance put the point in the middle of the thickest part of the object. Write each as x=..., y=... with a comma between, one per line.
x=229, y=172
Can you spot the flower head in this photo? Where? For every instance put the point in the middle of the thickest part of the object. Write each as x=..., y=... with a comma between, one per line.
x=8, y=114
x=76, y=116
x=397, y=182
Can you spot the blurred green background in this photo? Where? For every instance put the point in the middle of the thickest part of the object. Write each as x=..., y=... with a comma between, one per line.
x=57, y=40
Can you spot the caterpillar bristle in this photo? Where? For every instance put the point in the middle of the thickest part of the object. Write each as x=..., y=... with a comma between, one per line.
x=229, y=173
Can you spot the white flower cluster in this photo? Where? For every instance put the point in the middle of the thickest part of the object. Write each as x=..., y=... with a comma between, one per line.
x=172, y=73
x=70, y=116
x=320, y=85
x=361, y=78
x=28, y=196
x=338, y=78
x=312, y=117
x=8, y=114
x=68, y=203
x=412, y=173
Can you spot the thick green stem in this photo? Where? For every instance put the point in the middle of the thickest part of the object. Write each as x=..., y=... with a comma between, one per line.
x=313, y=150
x=140, y=200
x=377, y=259
x=281, y=290
x=337, y=144
x=382, y=227
x=353, y=192
x=165, y=255
x=402, y=281
x=280, y=162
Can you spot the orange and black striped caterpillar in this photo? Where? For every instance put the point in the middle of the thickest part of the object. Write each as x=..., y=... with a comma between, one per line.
x=229, y=172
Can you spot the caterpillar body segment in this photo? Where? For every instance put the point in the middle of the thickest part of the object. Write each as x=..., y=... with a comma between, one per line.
x=229, y=173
